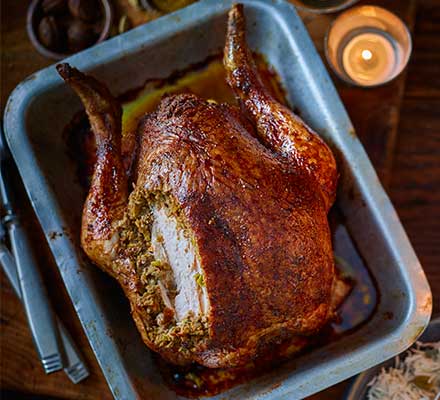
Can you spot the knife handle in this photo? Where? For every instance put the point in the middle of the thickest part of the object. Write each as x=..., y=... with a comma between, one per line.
x=35, y=300
x=75, y=367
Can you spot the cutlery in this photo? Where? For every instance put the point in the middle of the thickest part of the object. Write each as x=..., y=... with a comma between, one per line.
x=75, y=368
x=33, y=294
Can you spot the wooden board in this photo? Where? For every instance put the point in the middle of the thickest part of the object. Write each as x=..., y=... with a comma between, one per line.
x=375, y=115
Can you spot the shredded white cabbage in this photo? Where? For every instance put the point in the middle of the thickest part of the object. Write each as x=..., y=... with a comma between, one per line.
x=415, y=376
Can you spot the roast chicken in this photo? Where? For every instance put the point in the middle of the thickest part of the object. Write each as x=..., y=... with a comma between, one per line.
x=218, y=231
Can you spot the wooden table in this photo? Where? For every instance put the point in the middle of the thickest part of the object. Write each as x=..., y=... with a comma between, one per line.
x=399, y=125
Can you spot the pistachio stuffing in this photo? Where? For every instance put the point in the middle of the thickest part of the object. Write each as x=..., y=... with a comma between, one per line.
x=157, y=288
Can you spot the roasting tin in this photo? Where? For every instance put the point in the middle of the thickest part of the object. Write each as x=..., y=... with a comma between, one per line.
x=42, y=105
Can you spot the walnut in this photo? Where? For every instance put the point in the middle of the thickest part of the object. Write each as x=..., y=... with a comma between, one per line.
x=54, y=6
x=80, y=35
x=50, y=33
x=87, y=10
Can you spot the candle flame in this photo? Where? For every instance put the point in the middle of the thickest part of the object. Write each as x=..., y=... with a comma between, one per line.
x=367, y=55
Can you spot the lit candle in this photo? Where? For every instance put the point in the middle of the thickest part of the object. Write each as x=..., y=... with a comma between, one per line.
x=369, y=58
x=367, y=46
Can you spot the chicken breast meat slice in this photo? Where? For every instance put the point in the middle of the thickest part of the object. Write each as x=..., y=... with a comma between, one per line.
x=223, y=246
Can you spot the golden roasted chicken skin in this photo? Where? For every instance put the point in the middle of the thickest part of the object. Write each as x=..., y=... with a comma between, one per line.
x=223, y=246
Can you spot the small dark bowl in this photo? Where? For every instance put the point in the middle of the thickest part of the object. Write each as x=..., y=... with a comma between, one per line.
x=359, y=386
x=34, y=15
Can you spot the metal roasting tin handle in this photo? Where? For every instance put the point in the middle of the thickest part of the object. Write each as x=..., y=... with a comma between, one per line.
x=75, y=367
x=34, y=297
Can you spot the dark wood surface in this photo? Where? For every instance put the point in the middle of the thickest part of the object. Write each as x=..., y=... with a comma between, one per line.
x=405, y=152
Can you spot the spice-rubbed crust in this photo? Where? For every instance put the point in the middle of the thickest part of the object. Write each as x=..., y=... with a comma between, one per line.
x=223, y=247
x=260, y=225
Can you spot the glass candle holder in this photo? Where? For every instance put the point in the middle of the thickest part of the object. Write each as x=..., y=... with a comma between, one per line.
x=323, y=6
x=368, y=46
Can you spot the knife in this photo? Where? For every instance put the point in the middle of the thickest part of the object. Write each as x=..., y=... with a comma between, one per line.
x=33, y=294
x=75, y=368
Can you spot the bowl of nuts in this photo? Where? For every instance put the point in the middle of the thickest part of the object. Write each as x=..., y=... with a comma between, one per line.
x=59, y=28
